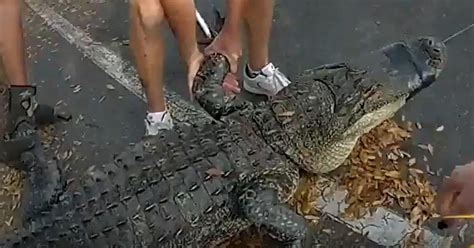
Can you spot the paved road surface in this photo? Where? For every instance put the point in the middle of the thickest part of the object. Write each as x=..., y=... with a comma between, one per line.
x=306, y=33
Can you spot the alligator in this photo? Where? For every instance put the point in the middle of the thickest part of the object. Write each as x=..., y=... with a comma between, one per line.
x=203, y=182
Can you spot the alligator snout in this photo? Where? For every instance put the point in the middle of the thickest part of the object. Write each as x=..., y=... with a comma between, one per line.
x=429, y=55
x=416, y=64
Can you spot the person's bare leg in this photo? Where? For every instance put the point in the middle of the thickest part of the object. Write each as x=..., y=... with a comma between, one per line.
x=43, y=178
x=258, y=23
x=181, y=17
x=146, y=42
x=146, y=17
x=12, y=51
x=260, y=75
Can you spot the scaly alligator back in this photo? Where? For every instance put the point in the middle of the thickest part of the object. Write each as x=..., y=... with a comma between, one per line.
x=174, y=190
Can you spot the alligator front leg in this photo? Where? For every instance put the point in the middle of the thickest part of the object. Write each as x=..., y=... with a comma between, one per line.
x=208, y=88
x=263, y=203
x=262, y=207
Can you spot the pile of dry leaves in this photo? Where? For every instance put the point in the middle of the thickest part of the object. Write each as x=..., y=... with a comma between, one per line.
x=380, y=173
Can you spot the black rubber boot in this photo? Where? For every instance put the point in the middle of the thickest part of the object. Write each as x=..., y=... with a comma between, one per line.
x=43, y=177
x=21, y=108
x=10, y=149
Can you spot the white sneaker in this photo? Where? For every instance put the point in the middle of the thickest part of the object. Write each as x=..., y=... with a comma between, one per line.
x=268, y=81
x=154, y=122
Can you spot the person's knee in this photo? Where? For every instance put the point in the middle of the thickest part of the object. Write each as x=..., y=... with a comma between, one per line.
x=150, y=13
x=9, y=3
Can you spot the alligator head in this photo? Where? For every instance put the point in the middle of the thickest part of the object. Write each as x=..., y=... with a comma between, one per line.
x=317, y=120
x=341, y=102
x=367, y=92
x=405, y=68
x=381, y=83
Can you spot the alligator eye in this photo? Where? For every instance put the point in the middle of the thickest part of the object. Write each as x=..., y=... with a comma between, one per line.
x=430, y=42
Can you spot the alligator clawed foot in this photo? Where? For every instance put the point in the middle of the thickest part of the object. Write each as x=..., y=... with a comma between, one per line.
x=208, y=88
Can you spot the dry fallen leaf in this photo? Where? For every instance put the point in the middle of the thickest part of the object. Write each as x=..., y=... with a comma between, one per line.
x=382, y=181
x=412, y=161
x=418, y=125
x=427, y=147
x=440, y=128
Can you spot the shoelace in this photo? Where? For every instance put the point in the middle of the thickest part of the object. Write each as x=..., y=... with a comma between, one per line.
x=160, y=125
x=278, y=74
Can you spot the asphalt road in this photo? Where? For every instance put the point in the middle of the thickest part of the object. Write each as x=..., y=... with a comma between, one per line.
x=306, y=33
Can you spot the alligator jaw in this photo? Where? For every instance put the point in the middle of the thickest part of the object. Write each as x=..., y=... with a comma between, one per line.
x=429, y=57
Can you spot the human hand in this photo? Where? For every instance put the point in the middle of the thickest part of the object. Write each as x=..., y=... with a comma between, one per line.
x=456, y=195
x=11, y=150
x=193, y=68
x=229, y=46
